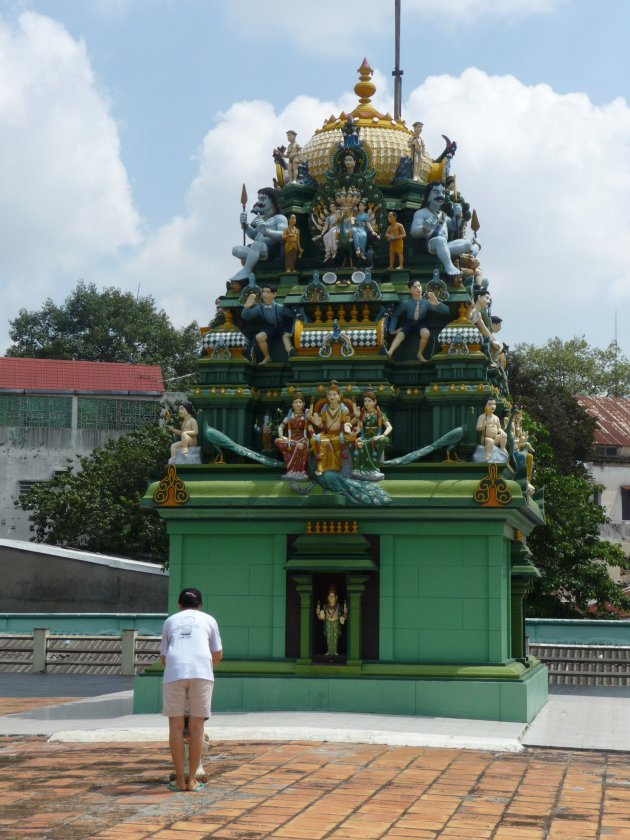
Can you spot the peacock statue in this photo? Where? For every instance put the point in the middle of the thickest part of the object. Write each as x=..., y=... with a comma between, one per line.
x=449, y=440
x=218, y=441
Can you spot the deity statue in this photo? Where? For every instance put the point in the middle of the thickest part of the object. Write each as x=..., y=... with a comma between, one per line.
x=416, y=145
x=433, y=227
x=523, y=452
x=492, y=435
x=334, y=617
x=292, y=247
x=265, y=430
x=334, y=431
x=414, y=311
x=395, y=234
x=293, y=157
x=266, y=230
x=187, y=434
x=292, y=440
x=362, y=226
x=329, y=230
x=276, y=318
x=478, y=315
x=374, y=437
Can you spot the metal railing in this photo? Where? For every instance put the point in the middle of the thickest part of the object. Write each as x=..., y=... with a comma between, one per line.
x=42, y=651
x=584, y=664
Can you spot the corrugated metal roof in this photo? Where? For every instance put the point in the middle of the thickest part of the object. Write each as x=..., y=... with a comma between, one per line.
x=51, y=375
x=613, y=419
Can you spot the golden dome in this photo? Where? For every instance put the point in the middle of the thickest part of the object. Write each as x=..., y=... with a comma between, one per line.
x=385, y=139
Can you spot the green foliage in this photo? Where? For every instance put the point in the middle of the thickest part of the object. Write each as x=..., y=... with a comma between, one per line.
x=573, y=367
x=105, y=326
x=569, y=553
x=97, y=507
x=568, y=550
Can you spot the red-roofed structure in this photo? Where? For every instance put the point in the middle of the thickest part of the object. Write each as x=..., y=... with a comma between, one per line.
x=613, y=419
x=47, y=376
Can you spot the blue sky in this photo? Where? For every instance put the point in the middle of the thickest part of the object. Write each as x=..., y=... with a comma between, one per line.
x=130, y=125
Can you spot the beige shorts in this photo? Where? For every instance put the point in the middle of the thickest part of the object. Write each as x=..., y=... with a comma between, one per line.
x=187, y=697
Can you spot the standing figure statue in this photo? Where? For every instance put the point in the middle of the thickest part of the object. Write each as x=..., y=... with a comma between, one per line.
x=292, y=247
x=478, y=315
x=395, y=235
x=276, y=319
x=187, y=434
x=293, y=157
x=493, y=437
x=416, y=145
x=361, y=229
x=414, y=311
x=334, y=431
x=374, y=437
x=433, y=227
x=334, y=617
x=266, y=230
x=265, y=430
x=330, y=232
x=292, y=440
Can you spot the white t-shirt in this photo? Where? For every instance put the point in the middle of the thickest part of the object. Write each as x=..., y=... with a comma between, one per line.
x=189, y=638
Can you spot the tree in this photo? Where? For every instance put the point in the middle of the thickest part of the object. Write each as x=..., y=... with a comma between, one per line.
x=567, y=550
x=97, y=508
x=105, y=326
x=575, y=367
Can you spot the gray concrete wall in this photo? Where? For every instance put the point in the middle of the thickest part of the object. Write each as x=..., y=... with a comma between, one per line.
x=49, y=579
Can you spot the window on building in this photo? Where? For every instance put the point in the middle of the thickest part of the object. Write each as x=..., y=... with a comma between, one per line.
x=116, y=415
x=597, y=495
x=625, y=502
x=25, y=411
x=606, y=451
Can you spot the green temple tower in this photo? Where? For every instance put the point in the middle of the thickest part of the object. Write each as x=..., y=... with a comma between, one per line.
x=355, y=516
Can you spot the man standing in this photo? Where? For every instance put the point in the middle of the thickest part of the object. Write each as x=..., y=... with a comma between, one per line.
x=191, y=646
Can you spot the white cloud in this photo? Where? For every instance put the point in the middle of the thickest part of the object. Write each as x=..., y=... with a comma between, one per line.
x=65, y=199
x=543, y=170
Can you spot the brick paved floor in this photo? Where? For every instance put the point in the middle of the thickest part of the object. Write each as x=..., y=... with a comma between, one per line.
x=307, y=791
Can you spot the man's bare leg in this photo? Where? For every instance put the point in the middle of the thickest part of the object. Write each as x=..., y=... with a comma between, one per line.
x=195, y=747
x=398, y=340
x=176, y=743
x=424, y=340
x=261, y=340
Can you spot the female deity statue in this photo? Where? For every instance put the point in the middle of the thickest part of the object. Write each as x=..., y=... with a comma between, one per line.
x=374, y=436
x=334, y=430
x=334, y=617
x=362, y=227
x=292, y=441
x=330, y=232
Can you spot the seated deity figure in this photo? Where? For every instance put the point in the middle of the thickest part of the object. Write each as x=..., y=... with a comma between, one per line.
x=292, y=440
x=188, y=432
x=414, y=311
x=267, y=230
x=361, y=229
x=334, y=617
x=373, y=438
x=333, y=432
x=491, y=432
x=276, y=319
x=433, y=228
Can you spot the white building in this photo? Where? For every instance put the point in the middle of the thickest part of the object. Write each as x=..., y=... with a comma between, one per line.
x=611, y=468
x=52, y=411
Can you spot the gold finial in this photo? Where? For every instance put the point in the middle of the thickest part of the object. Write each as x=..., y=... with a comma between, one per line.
x=365, y=87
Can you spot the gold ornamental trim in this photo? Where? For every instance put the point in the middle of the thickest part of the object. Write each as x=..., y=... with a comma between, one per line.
x=492, y=491
x=171, y=491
